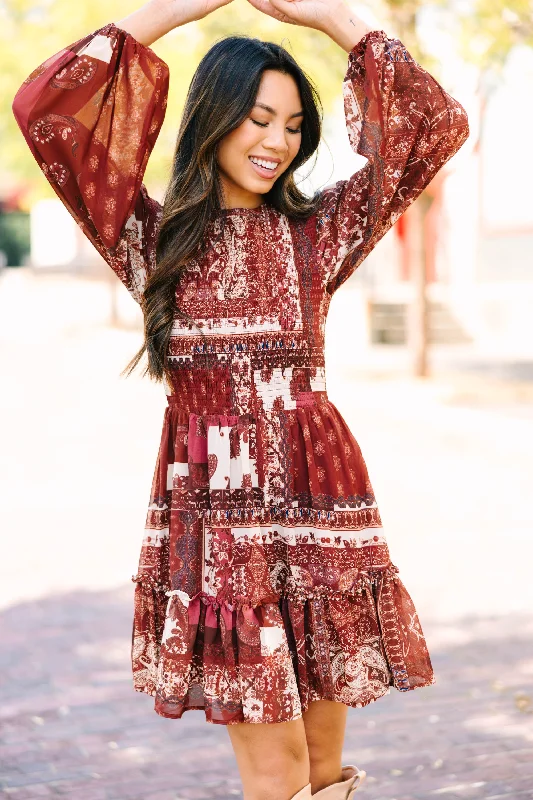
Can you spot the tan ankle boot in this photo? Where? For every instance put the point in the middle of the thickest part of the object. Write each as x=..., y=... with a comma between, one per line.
x=352, y=778
x=303, y=794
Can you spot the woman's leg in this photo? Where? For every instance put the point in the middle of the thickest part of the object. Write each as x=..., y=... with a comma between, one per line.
x=325, y=725
x=272, y=758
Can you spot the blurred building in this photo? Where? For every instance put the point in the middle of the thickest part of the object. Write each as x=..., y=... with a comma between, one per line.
x=479, y=231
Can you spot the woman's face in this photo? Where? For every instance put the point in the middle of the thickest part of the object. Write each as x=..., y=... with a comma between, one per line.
x=271, y=133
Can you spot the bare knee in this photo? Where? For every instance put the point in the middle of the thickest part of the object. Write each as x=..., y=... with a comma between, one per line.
x=273, y=759
x=280, y=776
x=325, y=724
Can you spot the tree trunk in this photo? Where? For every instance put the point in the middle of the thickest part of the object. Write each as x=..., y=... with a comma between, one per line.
x=418, y=312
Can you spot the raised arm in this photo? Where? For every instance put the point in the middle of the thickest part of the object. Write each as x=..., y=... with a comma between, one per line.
x=397, y=116
x=91, y=115
x=406, y=125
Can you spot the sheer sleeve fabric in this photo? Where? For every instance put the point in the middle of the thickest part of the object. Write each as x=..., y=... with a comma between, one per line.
x=91, y=115
x=407, y=126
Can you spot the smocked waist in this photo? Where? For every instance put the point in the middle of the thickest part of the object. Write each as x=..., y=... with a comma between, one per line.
x=304, y=399
x=243, y=388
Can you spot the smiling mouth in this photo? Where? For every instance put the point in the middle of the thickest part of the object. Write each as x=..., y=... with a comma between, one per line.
x=260, y=169
x=264, y=163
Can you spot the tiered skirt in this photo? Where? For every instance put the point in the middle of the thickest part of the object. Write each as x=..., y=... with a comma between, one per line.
x=264, y=579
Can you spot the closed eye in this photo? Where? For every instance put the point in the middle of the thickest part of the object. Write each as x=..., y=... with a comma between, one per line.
x=264, y=124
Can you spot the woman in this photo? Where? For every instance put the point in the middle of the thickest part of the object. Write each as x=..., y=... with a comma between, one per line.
x=265, y=591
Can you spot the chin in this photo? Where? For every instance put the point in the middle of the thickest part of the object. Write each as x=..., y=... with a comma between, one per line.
x=259, y=188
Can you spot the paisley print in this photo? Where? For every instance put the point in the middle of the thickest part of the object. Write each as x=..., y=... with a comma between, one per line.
x=76, y=74
x=46, y=128
x=264, y=579
x=56, y=173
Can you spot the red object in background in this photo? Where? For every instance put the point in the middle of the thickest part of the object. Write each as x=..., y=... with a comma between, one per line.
x=431, y=222
x=401, y=232
x=13, y=201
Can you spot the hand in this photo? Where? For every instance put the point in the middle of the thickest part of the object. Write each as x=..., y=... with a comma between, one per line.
x=158, y=17
x=183, y=11
x=332, y=17
x=311, y=13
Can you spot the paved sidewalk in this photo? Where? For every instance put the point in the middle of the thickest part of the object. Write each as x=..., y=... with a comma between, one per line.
x=450, y=461
x=72, y=726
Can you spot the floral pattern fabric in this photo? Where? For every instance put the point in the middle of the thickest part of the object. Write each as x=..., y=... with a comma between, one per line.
x=265, y=580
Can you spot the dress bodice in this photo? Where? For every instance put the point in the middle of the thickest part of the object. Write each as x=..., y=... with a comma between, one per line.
x=257, y=308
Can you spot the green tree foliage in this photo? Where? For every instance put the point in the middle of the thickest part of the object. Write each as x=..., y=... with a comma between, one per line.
x=491, y=28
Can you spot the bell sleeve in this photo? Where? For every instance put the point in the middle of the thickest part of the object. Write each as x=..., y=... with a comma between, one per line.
x=91, y=115
x=407, y=127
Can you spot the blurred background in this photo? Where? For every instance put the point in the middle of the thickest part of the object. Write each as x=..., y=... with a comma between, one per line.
x=429, y=358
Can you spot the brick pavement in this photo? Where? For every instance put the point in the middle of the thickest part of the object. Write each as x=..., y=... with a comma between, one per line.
x=72, y=726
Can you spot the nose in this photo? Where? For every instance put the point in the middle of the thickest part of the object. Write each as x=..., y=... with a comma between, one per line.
x=276, y=140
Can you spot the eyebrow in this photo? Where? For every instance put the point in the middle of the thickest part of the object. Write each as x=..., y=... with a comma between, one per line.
x=272, y=111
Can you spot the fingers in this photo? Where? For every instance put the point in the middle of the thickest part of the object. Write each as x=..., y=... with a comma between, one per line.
x=266, y=7
x=289, y=11
x=212, y=5
x=263, y=5
x=286, y=7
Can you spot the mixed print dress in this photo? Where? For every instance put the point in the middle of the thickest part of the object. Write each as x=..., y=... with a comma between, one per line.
x=264, y=580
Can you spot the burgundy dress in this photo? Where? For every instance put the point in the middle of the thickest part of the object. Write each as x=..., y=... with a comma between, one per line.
x=265, y=580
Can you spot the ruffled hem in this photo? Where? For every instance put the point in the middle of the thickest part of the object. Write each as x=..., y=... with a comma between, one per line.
x=212, y=709
x=291, y=591
x=243, y=661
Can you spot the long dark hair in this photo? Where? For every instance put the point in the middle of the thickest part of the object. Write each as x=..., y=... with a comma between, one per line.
x=221, y=94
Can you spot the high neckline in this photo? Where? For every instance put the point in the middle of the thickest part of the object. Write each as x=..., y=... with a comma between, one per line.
x=243, y=210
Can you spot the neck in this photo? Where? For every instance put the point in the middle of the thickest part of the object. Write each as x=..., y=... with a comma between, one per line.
x=236, y=197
